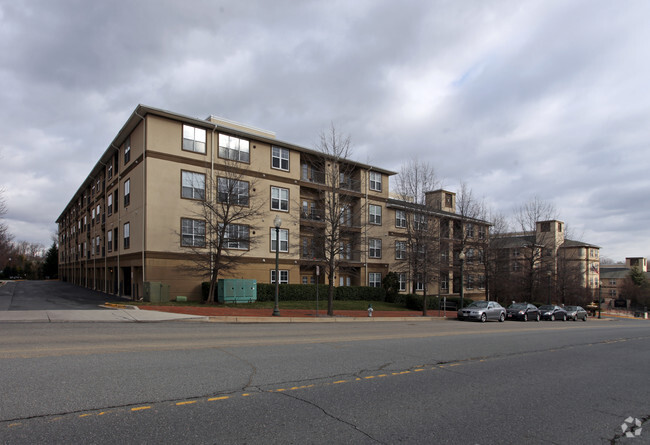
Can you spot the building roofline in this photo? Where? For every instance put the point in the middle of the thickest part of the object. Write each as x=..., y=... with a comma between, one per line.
x=141, y=111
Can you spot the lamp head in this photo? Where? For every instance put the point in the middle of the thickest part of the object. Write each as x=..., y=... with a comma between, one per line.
x=277, y=221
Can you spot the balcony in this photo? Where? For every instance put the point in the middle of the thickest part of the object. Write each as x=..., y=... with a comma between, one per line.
x=313, y=215
x=350, y=184
x=313, y=176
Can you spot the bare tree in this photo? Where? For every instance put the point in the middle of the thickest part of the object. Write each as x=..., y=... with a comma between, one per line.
x=5, y=237
x=496, y=260
x=222, y=231
x=535, y=244
x=422, y=251
x=337, y=207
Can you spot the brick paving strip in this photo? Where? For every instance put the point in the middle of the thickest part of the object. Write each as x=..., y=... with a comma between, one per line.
x=217, y=311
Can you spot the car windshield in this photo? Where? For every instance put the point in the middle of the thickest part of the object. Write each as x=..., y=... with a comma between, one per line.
x=478, y=304
x=546, y=307
x=518, y=306
x=571, y=308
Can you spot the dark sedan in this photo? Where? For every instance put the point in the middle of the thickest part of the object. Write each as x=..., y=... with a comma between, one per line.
x=552, y=312
x=576, y=313
x=522, y=311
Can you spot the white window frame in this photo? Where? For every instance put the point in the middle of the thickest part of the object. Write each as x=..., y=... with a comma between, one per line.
x=280, y=158
x=109, y=241
x=234, y=148
x=127, y=192
x=127, y=150
x=284, y=276
x=374, y=248
x=400, y=218
x=374, y=212
x=127, y=235
x=400, y=250
x=374, y=279
x=401, y=277
x=279, y=199
x=194, y=139
x=192, y=185
x=192, y=232
x=239, y=242
x=375, y=181
x=284, y=240
x=236, y=192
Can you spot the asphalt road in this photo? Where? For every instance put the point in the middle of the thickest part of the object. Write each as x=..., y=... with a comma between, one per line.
x=439, y=382
x=48, y=295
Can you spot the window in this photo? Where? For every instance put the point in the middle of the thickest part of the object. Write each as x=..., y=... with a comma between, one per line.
x=400, y=250
x=284, y=276
x=444, y=281
x=109, y=240
x=280, y=158
x=374, y=248
x=419, y=221
x=127, y=235
x=469, y=230
x=284, y=240
x=374, y=279
x=402, y=281
x=110, y=171
x=279, y=199
x=233, y=191
x=400, y=218
x=345, y=250
x=127, y=150
x=192, y=185
x=449, y=200
x=470, y=281
x=419, y=283
x=193, y=139
x=481, y=232
x=116, y=198
x=345, y=217
x=192, y=233
x=375, y=181
x=127, y=192
x=234, y=148
x=375, y=214
x=236, y=236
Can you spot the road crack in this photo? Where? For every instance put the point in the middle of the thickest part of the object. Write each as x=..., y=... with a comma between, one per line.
x=332, y=416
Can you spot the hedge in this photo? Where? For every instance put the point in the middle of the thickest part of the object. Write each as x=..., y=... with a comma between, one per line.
x=302, y=292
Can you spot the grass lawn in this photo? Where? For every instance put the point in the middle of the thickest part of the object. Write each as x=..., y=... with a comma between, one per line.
x=310, y=305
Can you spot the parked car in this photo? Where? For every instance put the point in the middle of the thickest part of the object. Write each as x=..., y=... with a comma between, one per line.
x=483, y=311
x=575, y=313
x=522, y=311
x=552, y=312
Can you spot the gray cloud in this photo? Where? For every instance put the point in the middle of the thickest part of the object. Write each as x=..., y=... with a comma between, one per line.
x=518, y=99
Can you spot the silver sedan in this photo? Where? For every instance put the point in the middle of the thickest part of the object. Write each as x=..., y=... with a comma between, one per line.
x=483, y=311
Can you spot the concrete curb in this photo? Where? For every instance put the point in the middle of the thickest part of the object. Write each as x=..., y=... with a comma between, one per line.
x=119, y=306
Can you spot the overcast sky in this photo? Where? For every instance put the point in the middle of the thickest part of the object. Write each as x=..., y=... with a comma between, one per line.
x=518, y=99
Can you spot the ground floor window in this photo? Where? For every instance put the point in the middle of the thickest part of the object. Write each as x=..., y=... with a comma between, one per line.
x=284, y=276
x=374, y=279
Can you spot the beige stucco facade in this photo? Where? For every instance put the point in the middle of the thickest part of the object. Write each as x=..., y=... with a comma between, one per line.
x=124, y=225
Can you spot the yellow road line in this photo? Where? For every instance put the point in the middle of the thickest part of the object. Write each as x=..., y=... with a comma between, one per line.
x=140, y=408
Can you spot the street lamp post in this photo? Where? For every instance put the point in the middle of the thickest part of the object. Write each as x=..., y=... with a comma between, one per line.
x=549, y=275
x=461, y=257
x=277, y=222
x=600, y=292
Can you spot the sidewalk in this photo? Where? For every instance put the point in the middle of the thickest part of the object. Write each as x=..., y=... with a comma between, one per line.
x=93, y=316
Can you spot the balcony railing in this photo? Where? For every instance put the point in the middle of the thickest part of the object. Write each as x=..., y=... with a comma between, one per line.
x=313, y=215
x=314, y=176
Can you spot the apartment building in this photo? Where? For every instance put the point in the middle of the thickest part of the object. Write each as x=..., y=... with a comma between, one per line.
x=137, y=217
x=543, y=264
x=614, y=278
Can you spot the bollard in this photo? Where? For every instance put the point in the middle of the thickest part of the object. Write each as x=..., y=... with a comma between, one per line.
x=370, y=309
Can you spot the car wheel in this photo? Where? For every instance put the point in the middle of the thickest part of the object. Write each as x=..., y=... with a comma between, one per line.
x=537, y=318
x=502, y=318
x=584, y=318
x=553, y=317
x=575, y=318
x=525, y=317
x=483, y=318
x=564, y=317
